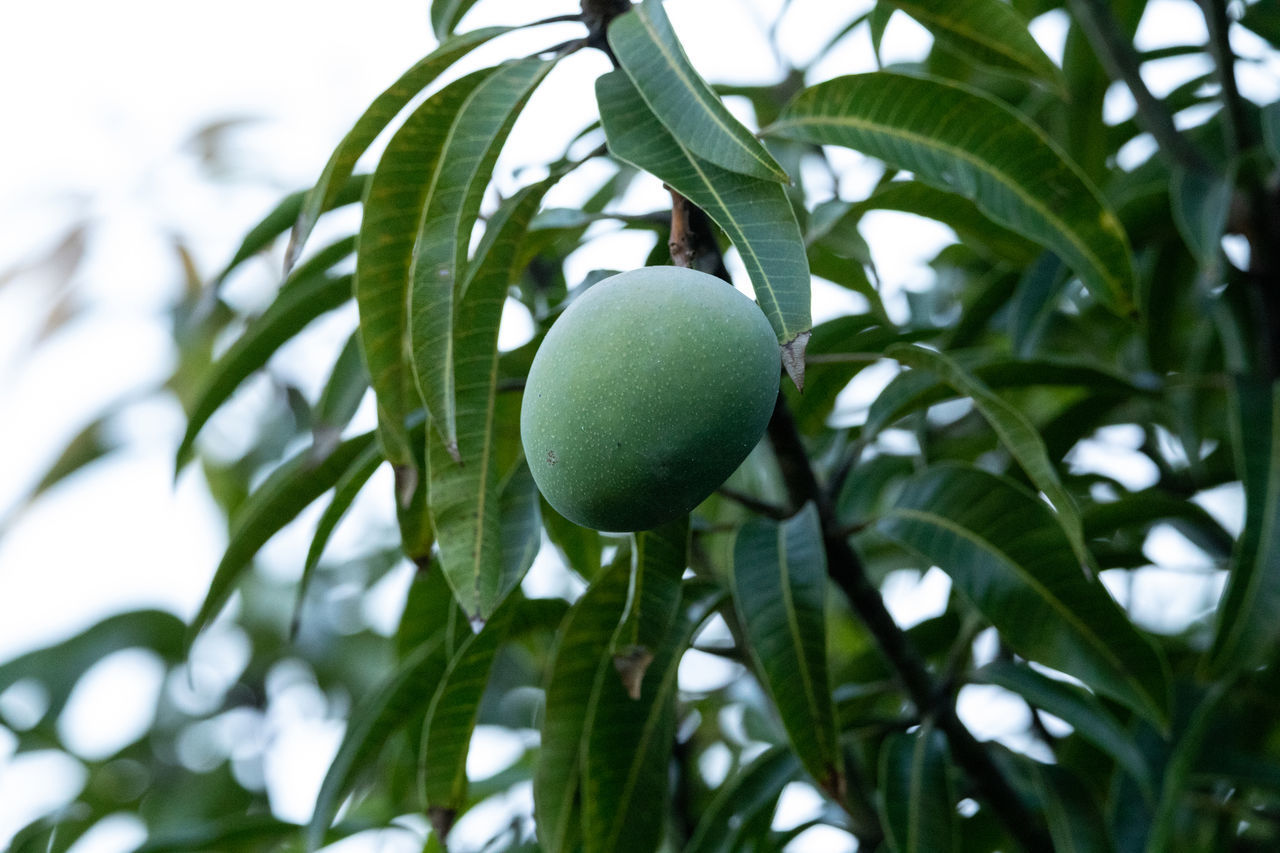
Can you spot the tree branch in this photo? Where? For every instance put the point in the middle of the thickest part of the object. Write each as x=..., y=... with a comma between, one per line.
x=1121, y=62
x=1234, y=127
x=845, y=568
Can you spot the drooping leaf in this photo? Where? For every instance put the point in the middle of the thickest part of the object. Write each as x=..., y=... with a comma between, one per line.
x=1072, y=810
x=626, y=761
x=741, y=800
x=754, y=213
x=990, y=31
x=276, y=502
x=324, y=195
x=464, y=494
x=1200, y=205
x=392, y=212
x=1077, y=707
x=578, y=545
x=569, y=708
x=445, y=15
x=779, y=589
x=451, y=717
x=404, y=696
x=344, y=493
x=653, y=605
x=1005, y=550
x=450, y=207
x=1016, y=433
x=1181, y=764
x=964, y=141
x=348, y=381
x=1247, y=628
x=917, y=803
x=349, y=190
x=305, y=295
x=650, y=53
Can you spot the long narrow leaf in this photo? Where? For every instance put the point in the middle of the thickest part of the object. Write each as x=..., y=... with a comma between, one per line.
x=754, y=213
x=464, y=493
x=465, y=166
x=917, y=803
x=1248, y=630
x=1016, y=433
x=650, y=53
x=779, y=589
x=655, y=598
x=1004, y=549
x=284, y=494
x=964, y=141
x=739, y=800
x=392, y=212
x=990, y=31
x=375, y=119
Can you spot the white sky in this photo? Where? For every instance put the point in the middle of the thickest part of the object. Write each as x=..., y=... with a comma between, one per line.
x=101, y=100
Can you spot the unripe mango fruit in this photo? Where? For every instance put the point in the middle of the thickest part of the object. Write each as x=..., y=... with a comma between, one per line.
x=645, y=395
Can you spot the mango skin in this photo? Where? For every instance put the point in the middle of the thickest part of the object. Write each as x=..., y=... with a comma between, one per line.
x=645, y=395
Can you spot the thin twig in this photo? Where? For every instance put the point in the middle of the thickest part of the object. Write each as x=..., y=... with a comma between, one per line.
x=681, y=242
x=1120, y=60
x=1235, y=127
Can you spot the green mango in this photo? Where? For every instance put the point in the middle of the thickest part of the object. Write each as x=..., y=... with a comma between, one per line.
x=646, y=394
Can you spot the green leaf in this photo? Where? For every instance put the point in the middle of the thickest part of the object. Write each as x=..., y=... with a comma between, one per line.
x=386, y=711
x=276, y=502
x=304, y=296
x=964, y=141
x=464, y=494
x=392, y=212
x=1071, y=809
x=1247, y=628
x=917, y=803
x=1165, y=828
x=739, y=801
x=450, y=207
x=570, y=695
x=1077, y=707
x=1200, y=206
x=579, y=546
x=779, y=589
x=344, y=494
x=627, y=756
x=992, y=32
x=1005, y=550
x=445, y=15
x=348, y=191
x=451, y=717
x=654, y=603
x=651, y=55
x=754, y=213
x=324, y=195
x=1271, y=127
x=1016, y=433
x=345, y=388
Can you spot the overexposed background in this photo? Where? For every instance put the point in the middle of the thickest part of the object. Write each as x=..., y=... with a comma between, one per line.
x=139, y=126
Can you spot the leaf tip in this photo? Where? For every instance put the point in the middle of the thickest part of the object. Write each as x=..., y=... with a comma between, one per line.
x=793, y=358
x=632, y=662
x=442, y=819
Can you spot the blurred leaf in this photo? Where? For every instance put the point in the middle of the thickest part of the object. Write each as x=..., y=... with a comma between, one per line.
x=348, y=381
x=966, y=142
x=917, y=803
x=281, y=217
x=464, y=494
x=654, y=601
x=521, y=524
x=779, y=590
x=276, y=502
x=393, y=209
x=1264, y=19
x=1005, y=550
x=1016, y=433
x=345, y=490
x=1072, y=810
x=754, y=213
x=1077, y=707
x=1247, y=628
x=990, y=31
x=1178, y=770
x=1271, y=120
x=325, y=194
x=579, y=546
x=1038, y=293
x=304, y=296
x=740, y=800
x=576, y=665
x=456, y=182
x=650, y=53
x=59, y=667
x=404, y=696
x=1200, y=206
x=445, y=15
x=89, y=445
x=238, y=834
